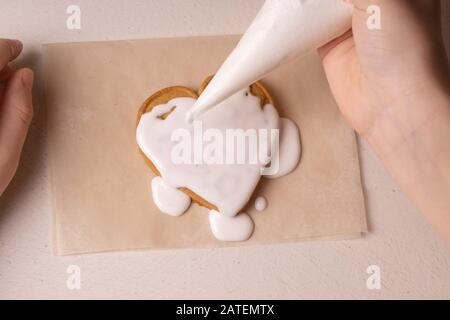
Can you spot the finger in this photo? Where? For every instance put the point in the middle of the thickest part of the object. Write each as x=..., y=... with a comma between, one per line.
x=6, y=73
x=324, y=50
x=16, y=112
x=9, y=50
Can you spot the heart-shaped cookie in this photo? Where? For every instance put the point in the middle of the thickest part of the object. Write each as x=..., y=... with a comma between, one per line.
x=250, y=109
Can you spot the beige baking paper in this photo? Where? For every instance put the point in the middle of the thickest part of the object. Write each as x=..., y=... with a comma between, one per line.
x=101, y=186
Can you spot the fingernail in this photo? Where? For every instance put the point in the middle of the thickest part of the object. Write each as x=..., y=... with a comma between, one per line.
x=16, y=46
x=27, y=78
x=16, y=42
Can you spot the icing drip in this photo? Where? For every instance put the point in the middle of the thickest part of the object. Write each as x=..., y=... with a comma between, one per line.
x=169, y=200
x=260, y=204
x=238, y=228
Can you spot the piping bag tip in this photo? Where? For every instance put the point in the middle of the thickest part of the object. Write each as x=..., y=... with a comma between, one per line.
x=189, y=117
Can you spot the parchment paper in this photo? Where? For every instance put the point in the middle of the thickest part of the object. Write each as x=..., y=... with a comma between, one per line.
x=101, y=186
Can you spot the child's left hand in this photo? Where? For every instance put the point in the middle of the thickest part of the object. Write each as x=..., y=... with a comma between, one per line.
x=16, y=110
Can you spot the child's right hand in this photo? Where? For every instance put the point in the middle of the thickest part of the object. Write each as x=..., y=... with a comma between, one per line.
x=393, y=86
x=373, y=73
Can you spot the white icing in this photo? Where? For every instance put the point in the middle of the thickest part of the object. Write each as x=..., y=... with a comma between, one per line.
x=289, y=148
x=169, y=200
x=281, y=31
x=227, y=186
x=224, y=228
x=260, y=204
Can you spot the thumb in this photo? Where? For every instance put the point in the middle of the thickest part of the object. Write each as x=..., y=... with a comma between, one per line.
x=16, y=112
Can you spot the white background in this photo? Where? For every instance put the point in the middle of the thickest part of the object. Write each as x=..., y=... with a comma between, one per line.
x=415, y=262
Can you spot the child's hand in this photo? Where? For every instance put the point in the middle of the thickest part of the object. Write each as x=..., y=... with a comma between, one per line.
x=393, y=86
x=373, y=73
x=16, y=110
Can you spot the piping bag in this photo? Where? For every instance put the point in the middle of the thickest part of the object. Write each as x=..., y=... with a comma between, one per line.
x=282, y=31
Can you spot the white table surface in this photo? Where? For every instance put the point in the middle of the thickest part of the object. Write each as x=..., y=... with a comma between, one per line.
x=414, y=261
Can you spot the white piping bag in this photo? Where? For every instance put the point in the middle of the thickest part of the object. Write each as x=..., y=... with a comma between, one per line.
x=282, y=30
